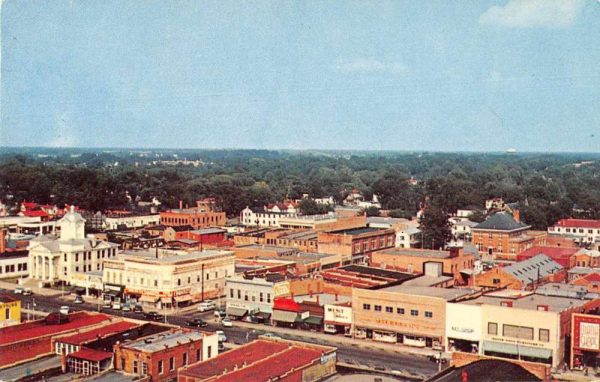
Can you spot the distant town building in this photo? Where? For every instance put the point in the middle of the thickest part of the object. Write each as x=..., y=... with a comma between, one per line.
x=203, y=215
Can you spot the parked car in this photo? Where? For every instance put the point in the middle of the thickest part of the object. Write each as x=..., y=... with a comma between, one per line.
x=226, y=322
x=78, y=300
x=64, y=309
x=221, y=336
x=207, y=305
x=154, y=316
x=27, y=292
x=219, y=313
x=116, y=305
x=221, y=347
x=437, y=359
x=197, y=322
x=19, y=290
x=138, y=308
x=271, y=335
x=126, y=307
x=106, y=304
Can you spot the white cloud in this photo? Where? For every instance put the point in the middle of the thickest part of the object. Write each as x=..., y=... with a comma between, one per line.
x=533, y=13
x=371, y=65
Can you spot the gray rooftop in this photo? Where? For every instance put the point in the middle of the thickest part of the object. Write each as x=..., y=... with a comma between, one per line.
x=161, y=341
x=167, y=256
x=529, y=301
x=428, y=253
x=565, y=290
x=501, y=221
x=529, y=270
x=427, y=280
x=447, y=294
x=207, y=231
x=302, y=235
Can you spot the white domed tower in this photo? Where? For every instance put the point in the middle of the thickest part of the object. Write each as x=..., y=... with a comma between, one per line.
x=72, y=226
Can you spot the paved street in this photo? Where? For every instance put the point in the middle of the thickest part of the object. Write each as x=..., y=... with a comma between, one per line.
x=358, y=352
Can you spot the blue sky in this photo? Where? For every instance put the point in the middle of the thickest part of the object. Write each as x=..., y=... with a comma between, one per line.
x=398, y=75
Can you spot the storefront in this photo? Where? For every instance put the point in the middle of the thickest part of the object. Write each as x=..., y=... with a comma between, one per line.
x=463, y=328
x=517, y=351
x=285, y=318
x=113, y=293
x=338, y=318
x=585, y=346
x=235, y=313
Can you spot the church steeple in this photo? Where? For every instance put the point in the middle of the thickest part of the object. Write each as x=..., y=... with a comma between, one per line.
x=72, y=226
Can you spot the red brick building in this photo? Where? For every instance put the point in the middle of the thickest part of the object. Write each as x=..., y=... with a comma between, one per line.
x=266, y=360
x=563, y=256
x=585, y=340
x=160, y=356
x=198, y=217
x=355, y=245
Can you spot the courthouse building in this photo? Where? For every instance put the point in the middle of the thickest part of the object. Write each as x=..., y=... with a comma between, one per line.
x=53, y=259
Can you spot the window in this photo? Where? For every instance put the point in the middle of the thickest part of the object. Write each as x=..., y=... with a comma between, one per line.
x=492, y=328
x=515, y=331
x=135, y=367
x=544, y=335
x=189, y=280
x=160, y=367
x=184, y=361
x=209, y=351
x=231, y=293
x=429, y=314
x=366, y=306
x=239, y=294
x=400, y=310
x=377, y=308
x=155, y=283
x=260, y=296
x=414, y=312
x=7, y=314
x=178, y=282
x=197, y=354
x=496, y=281
x=245, y=296
x=171, y=364
x=268, y=297
x=144, y=368
x=123, y=363
x=389, y=309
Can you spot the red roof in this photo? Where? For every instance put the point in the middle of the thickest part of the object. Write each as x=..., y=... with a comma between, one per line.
x=250, y=353
x=578, y=223
x=29, y=204
x=591, y=277
x=277, y=365
x=286, y=303
x=27, y=331
x=78, y=339
x=561, y=255
x=35, y=213
x=91, y=354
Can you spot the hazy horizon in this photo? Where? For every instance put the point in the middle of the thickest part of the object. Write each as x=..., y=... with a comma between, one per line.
x=392, y=76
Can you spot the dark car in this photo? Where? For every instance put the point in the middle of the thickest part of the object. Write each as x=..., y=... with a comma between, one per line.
x=197, y=322
x=138, y=308
x=154, y=316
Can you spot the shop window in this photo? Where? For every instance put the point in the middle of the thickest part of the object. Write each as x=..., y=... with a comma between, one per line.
x=492, y=328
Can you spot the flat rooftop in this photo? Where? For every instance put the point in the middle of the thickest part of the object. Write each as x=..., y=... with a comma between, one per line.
x=261, y=247
x=81, y=338
x=323, y=298
x=528, y=301
x=166, y=256
x=365, y=277
x=356, y=231
x=164, y=340
x=426, y=253
x=301, y=235
x=427, y=280
x=447, y=294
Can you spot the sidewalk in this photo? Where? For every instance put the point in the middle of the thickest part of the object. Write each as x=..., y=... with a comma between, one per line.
x=34, y=288
x=331, y=338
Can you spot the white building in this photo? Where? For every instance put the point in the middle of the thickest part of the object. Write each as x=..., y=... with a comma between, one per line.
x=258, y=217
x=461, y=227
x=409, y=237
x=131, y=221
x=53, y=259
x=159, y=278
x=582, y=230
x=253, y=296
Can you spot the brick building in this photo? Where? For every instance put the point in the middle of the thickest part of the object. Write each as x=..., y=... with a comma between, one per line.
x=522, y=275
x=563, y=256
x=590, y=281
x=160, y=356
x=266, y=360
x=201, y=216
x=355, y=245
x=502, y=236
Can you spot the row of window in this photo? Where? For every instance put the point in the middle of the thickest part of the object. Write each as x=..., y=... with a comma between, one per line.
x=88, y=255
x=372, y=244
x=390, y=309
x=522, y=332
x=579, y=230
x=261, y=296
x=147, y=281
x=135, y=366
x=10, y=268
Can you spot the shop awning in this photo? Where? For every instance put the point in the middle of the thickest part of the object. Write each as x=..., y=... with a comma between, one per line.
x=467, y=272
x=236, y=312
x=112, y=293
x=184, y=298
x=166, y=300
x=500, y=347
x=314, y=320
x=284, y=316
x=147, y=299
x=263, y=315
x=529, y=351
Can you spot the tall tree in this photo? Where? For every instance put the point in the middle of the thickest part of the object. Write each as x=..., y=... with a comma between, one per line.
x=435, y=228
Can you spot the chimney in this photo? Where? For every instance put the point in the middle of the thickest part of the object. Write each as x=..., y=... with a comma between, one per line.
x=180, y=204
x=516, y=215
x=336, y=296
x=2, y=240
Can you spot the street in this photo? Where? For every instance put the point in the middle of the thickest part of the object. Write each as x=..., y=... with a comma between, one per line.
x=356, y=353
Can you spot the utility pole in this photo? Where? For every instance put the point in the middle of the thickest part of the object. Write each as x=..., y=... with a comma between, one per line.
x=202, y=281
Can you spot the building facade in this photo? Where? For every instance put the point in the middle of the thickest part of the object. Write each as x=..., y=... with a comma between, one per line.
x=583, y=230
x=253, y=296
x=198, y=217
x=355, y=245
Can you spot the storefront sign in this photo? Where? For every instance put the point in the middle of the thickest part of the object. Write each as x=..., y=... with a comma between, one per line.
x=338, y=314
x=281, y=289
x=589, y=335
x=328, y=357
x=462, y=330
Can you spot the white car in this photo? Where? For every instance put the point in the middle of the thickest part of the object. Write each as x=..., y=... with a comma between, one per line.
x=226, y=322
x=19, y=290
x=64, y=309
x=116, y=305
x=205, y=306
x=221, y=335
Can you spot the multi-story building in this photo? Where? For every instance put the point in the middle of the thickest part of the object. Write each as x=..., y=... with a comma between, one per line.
x=117, y=221
x=585, y=340
x=165, y=278
x=514, y=325
x=262, y=217
x=409, y=315
x=160, y=356
x=10, y=311
x=203, y=215
x=585, y=231
x=53, y=259
x=254, y=296
x=355, y=245
x=455, y=261
x=502, y=236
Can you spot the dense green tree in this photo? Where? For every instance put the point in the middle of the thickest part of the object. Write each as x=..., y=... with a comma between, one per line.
x=435, y=228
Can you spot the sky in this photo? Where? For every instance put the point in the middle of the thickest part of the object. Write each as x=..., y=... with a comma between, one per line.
x=372, y=75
